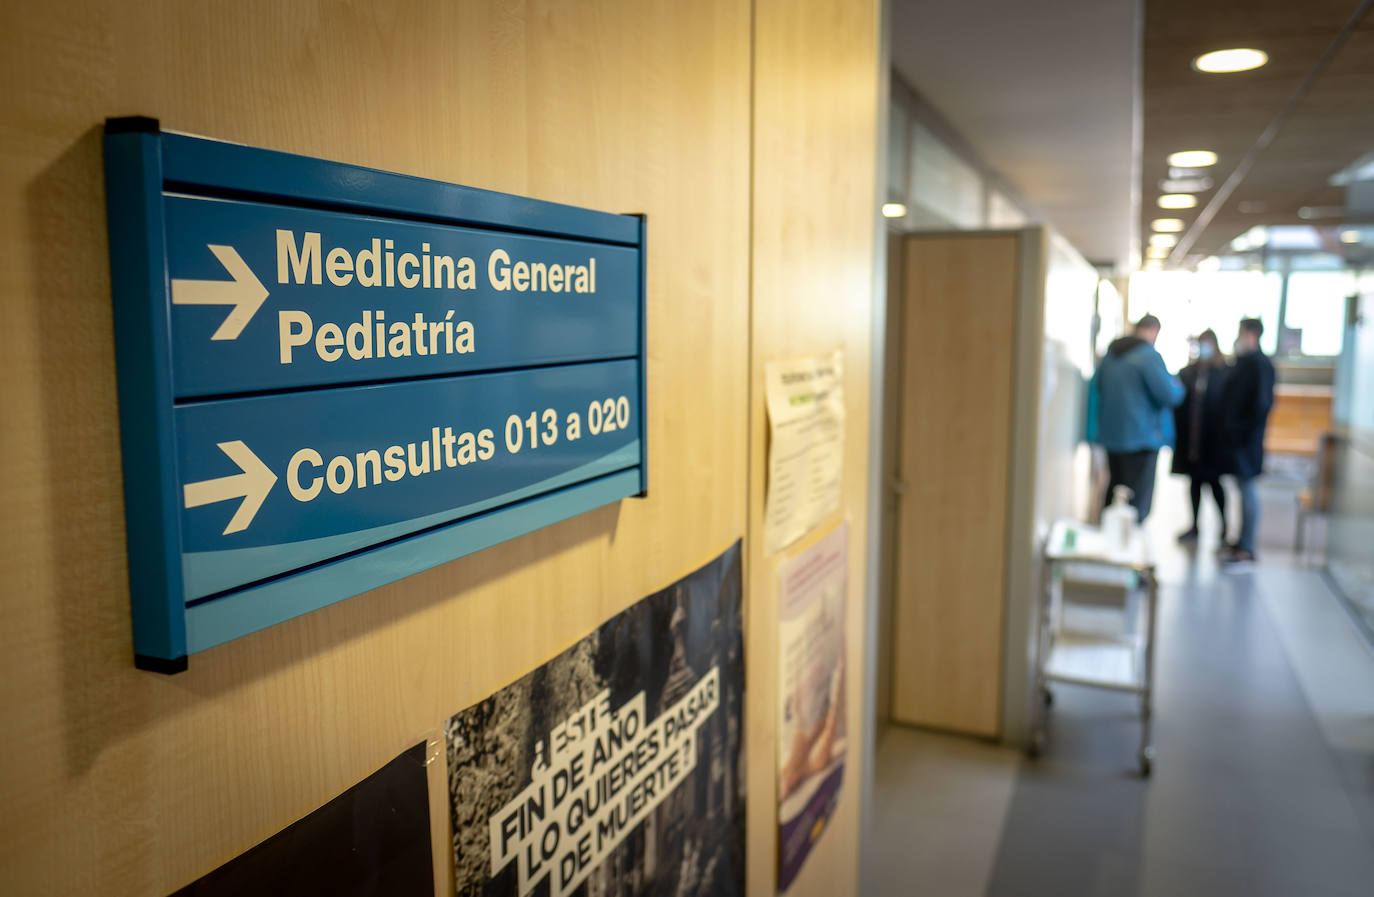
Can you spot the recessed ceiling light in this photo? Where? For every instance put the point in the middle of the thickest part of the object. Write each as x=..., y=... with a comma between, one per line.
x=894, y=210
x=1167, y=225
x=1185, y=185
x=1154, y=265
x=1350, y=236
x=1157, y=252
x=1177, y=201
x=1163, y=240
x=1237, y=60
x=1192, y=158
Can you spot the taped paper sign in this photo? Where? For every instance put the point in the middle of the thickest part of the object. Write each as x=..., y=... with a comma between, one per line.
x=806, y=446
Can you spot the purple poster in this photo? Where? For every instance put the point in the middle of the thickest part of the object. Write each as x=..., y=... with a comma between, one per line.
x=811, y=723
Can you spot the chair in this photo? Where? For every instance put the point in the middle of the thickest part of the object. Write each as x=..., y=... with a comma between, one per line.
x=1315, y=497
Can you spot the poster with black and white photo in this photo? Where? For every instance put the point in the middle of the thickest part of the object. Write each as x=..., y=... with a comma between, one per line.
x=371, y=840
x=615, y=769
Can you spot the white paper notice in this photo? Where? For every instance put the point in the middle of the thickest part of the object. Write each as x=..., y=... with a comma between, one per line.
x=806, y=446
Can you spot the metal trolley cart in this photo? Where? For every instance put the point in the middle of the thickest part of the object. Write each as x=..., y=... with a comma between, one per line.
x=1103, y=634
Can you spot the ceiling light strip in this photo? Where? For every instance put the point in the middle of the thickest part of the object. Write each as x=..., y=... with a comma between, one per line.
x=1266, y=137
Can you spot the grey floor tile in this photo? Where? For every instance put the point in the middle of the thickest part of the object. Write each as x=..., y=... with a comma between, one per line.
x=939, y=805
x=1262, y=784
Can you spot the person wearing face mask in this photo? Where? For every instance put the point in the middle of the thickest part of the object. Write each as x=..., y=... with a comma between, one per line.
x=1246, y=397
x=1197, y=453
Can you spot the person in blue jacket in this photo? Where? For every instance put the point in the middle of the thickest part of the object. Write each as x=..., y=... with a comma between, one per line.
x=1131, y=402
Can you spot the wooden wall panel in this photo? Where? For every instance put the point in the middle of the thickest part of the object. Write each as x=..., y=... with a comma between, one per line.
x=117, y=782
x=959, y=319
x=816, y=90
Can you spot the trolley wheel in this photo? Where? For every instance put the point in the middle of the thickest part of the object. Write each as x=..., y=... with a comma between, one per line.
x=1147, y=756
x=1048, y=697
x=1036, y=746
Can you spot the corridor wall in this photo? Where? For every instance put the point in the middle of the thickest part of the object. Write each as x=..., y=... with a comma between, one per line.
x=745, y=133
x=816, y=96
x=1350, y=527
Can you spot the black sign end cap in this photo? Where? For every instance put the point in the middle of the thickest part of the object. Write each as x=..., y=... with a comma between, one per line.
x=161, y=664
x=132, y=124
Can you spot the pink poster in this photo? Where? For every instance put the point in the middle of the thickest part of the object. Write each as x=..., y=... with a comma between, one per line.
x=811, y=726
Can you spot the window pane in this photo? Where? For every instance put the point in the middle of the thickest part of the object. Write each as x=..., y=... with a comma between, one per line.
x=898, y=124
x=1316, y=306
x=943, y=184
x=1188, y=303
x=1002, y=212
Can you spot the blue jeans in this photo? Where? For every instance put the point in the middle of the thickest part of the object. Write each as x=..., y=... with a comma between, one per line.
x=1249, y=513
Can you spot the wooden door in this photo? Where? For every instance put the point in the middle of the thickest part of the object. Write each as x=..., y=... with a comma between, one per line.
x=957, y=359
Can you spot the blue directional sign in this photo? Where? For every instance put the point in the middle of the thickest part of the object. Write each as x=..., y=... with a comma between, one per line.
x=271, y=297
x=332, y=377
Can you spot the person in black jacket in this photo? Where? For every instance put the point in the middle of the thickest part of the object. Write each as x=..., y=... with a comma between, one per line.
x=1246, y=397
x=1197, y=453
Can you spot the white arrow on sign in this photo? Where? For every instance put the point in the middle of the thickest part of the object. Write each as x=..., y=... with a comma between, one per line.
x=245, y=292
x=252, y=486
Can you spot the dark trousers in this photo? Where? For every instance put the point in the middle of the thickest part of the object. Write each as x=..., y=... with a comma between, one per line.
x=1135, y=471
x=1219, y=494
x=1249, y=513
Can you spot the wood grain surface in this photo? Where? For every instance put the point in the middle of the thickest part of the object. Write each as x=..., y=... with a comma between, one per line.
x=958, y=344
x=815, y=222
x=118, y=782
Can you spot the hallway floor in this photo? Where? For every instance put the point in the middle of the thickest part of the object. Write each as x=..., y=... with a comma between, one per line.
x=1263, y=781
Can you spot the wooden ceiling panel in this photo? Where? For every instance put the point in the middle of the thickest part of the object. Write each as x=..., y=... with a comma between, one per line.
x=1184, y=109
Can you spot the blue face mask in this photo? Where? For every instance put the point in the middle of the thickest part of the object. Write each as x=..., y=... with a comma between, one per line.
x=1205, y=351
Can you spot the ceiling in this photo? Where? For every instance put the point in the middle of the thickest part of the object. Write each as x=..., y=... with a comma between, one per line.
x=1045, y=93
x=1320, y=122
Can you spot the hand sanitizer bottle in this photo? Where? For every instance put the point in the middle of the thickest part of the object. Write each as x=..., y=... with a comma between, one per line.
x=1119, y=521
